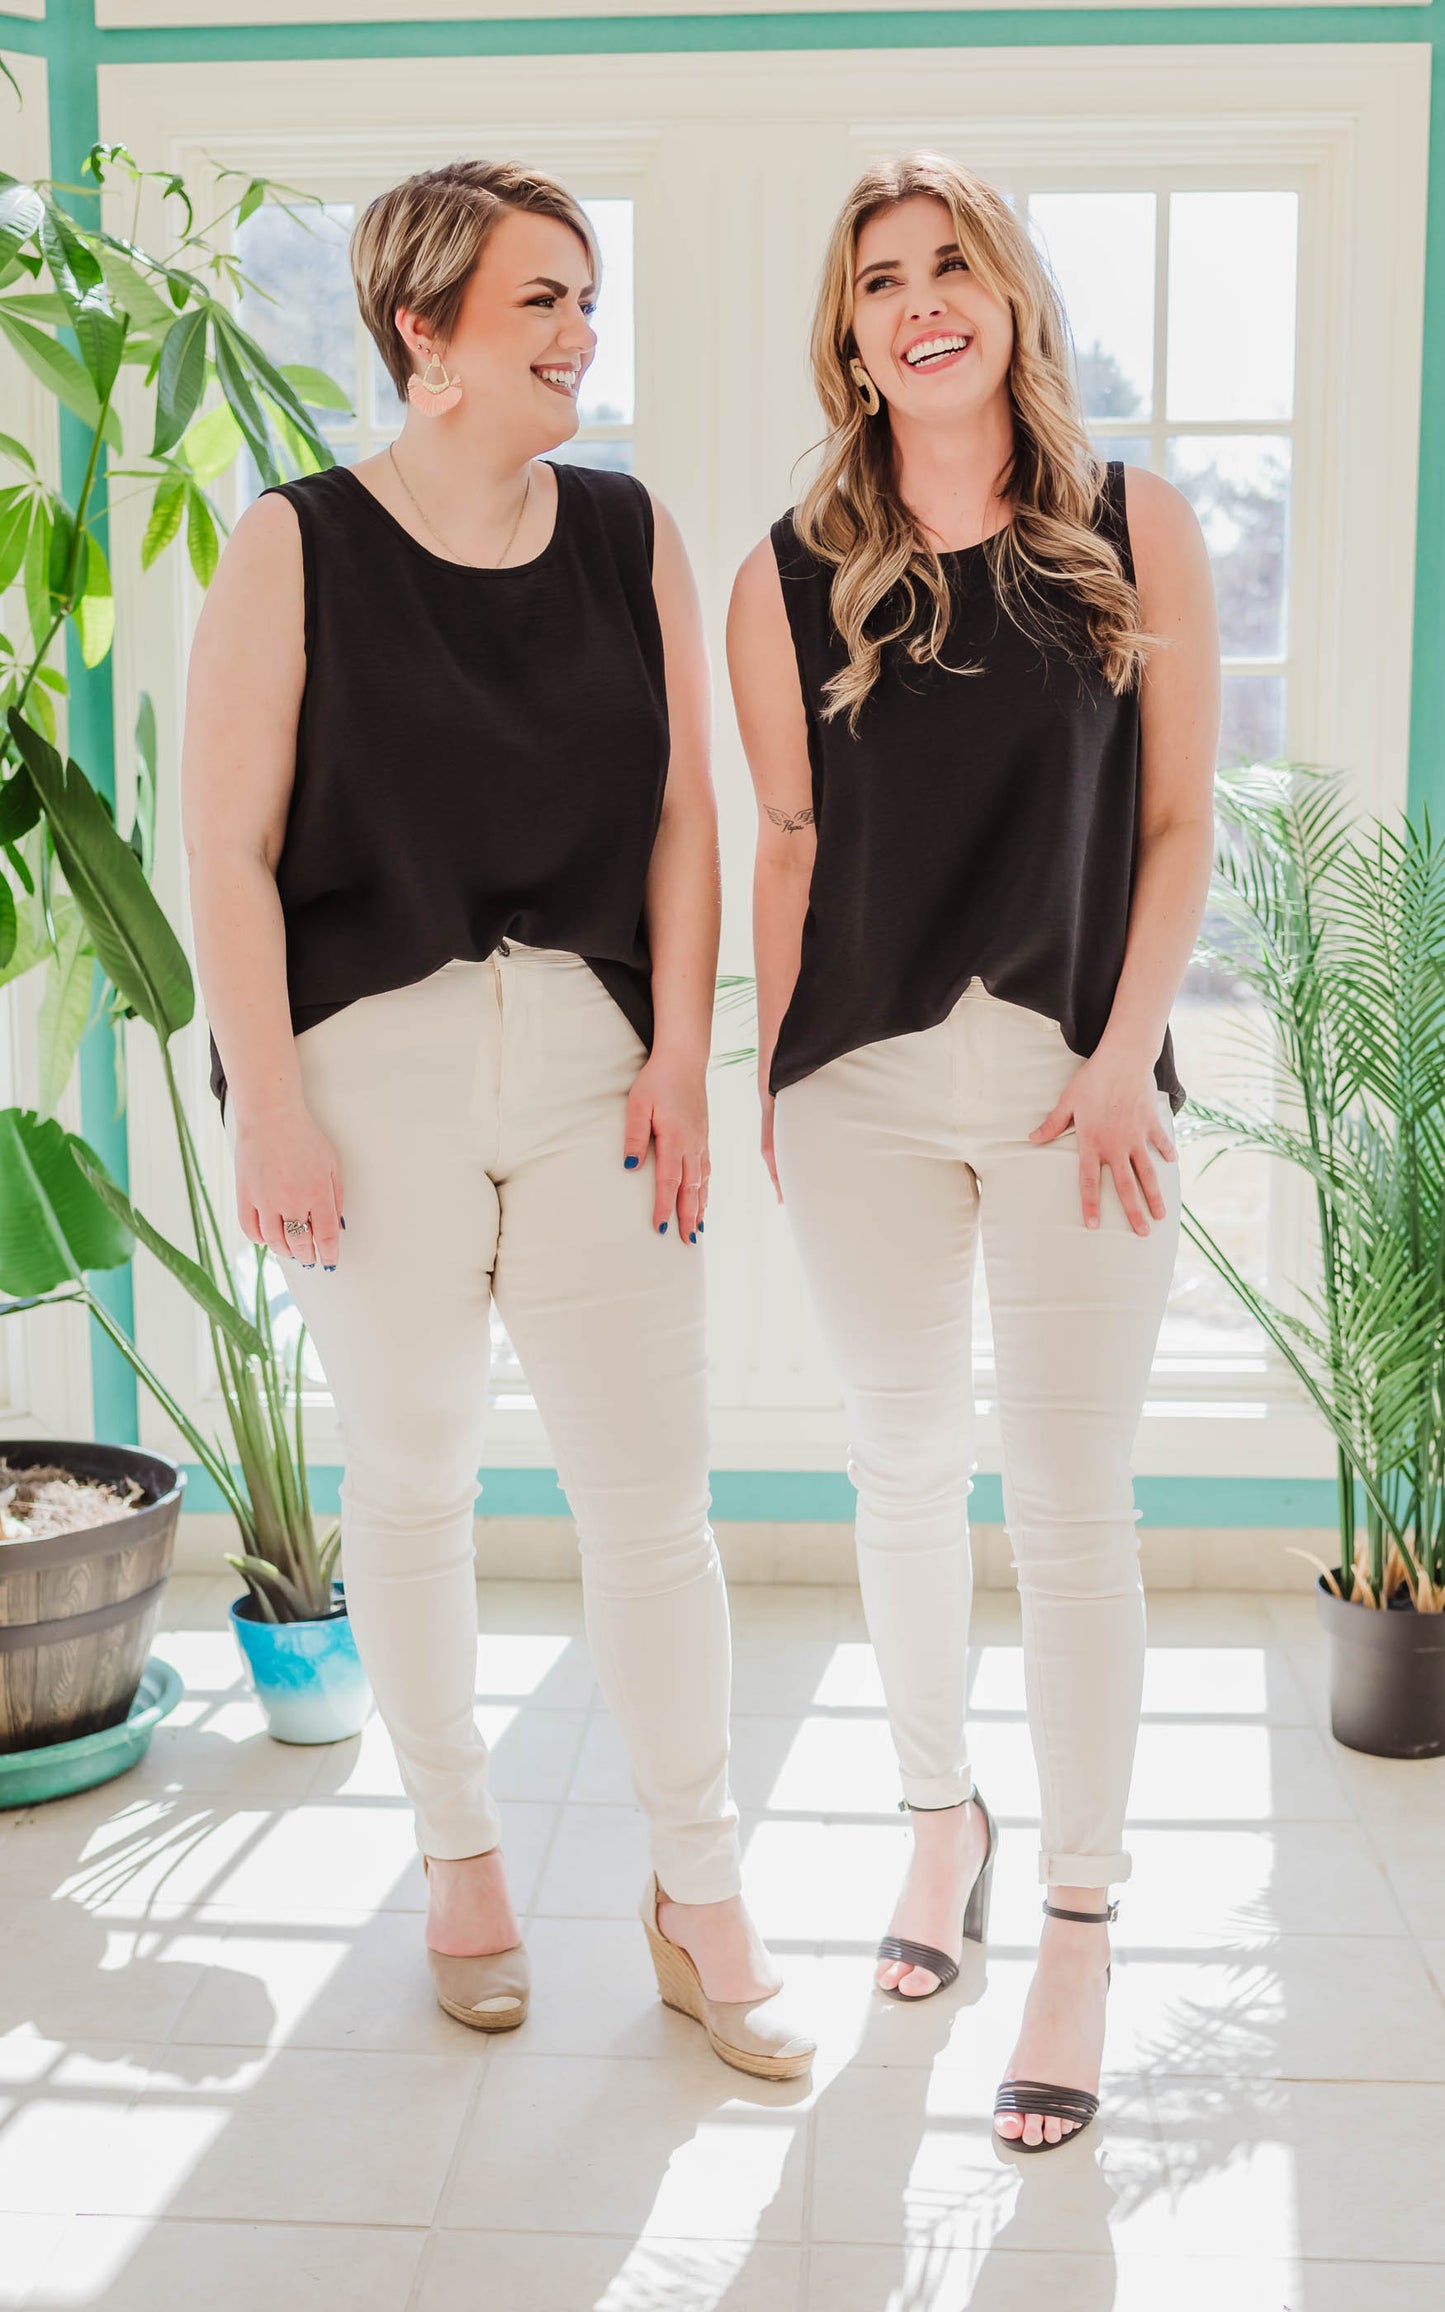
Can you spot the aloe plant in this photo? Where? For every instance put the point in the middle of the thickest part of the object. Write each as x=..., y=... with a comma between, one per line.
x=77, y=304
x=1340, y=933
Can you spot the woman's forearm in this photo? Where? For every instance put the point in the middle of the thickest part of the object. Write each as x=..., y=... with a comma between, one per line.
x=780, y=904
x=684, y=921
x=241, y=963
x=1171, y=886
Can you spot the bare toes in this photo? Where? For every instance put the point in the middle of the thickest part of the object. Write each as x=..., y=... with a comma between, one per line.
x=1010, y=2125
x=918, y=1983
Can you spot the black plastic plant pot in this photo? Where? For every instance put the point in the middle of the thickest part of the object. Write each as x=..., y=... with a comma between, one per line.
x=78, y=1610
x=1387, y=1677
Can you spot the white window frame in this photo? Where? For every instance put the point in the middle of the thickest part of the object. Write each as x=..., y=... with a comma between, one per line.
x=736, y=173
x=44, y=1356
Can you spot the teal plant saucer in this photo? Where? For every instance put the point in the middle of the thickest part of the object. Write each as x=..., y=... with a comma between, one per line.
x=28, y=1777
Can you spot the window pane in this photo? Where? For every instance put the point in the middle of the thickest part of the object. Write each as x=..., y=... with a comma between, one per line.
x=608, y=390
x=1100, y=247
x=612, y=456
x=1231, y=304
x=1212, y=1021
x=1239, y=488
x=1252, y=724
x=387, y=407
x=307, y=312
x=1130, y=449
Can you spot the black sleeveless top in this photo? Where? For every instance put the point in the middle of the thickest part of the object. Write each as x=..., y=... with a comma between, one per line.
x=979, y=826
x=480, y=753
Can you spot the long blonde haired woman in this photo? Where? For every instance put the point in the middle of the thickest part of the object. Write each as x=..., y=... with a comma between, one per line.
x=976, y=674
x=454, y=877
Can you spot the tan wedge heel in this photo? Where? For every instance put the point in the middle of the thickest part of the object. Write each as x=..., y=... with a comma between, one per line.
x=738, y=2031
x=488, y=1993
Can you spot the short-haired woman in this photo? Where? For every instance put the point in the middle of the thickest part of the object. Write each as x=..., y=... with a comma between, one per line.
x=454, y=878
x=976, y=673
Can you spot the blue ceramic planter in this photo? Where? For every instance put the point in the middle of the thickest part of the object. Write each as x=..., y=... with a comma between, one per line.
x=307, y=1676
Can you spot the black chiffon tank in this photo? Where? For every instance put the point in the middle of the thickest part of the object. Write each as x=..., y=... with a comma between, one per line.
x=480, y=754
x=978, y=826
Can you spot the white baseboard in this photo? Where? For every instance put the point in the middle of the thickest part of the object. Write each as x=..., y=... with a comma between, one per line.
x=545, y=1549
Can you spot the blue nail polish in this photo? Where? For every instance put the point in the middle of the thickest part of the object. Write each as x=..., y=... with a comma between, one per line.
x=702, y=1224
x=693, y=1238
x=662, y=1228
x=343, y=1223
x=308, y=1265
x=331, y=1268
x=630, y=1163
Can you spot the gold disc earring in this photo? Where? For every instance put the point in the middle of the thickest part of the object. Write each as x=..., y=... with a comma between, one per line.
x=433, y=399
x=868, y=393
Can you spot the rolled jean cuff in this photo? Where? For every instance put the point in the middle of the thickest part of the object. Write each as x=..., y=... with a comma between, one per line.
x=931, y=1793
x=1083, y=1870
x=455, y=1836
x=685, y=1880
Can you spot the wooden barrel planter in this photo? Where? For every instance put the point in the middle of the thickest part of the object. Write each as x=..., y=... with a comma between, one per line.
x=78, y=1610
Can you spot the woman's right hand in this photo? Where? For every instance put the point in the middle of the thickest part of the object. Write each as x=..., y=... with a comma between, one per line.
x=287, y=1169
x=768, y=1106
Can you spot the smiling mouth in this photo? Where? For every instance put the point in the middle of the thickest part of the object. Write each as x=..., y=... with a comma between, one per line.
x=936, y=352
x=561, y=380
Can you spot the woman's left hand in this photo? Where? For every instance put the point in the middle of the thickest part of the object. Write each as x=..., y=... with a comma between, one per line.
x=1114, y=1109
x=668, y=1105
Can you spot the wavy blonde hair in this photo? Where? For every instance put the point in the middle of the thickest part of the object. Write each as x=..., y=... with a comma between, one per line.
x=853, y=517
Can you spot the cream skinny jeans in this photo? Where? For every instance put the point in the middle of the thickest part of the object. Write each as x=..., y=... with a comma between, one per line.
x=478, y=1119
x=894, y=1161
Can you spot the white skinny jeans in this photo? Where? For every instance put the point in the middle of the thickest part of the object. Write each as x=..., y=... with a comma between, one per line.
x=894, y=1160
x=478, y=1119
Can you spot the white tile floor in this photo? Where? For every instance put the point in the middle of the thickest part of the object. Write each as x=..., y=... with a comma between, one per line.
x=223, y=2080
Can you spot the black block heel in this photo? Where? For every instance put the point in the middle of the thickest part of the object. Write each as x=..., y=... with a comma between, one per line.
x=975, y=1921
x=1041, y=2096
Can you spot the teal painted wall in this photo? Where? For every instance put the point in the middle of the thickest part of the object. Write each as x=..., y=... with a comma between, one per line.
x=825, y=1497
x=76, y=49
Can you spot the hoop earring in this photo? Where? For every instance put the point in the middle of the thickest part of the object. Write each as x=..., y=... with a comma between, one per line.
x=868, y=393
x=433, y=400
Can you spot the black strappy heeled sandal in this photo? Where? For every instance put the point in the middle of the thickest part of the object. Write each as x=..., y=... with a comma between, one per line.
x=1041, y=2096
x=975, y=1919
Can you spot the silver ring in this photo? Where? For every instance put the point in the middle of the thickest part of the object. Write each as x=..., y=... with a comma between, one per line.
x=297, y=1227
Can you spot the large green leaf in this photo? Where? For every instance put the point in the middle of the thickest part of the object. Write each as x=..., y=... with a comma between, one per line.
x=95, y=610
x=132, y=292
x=21, y=210
x=57, y=368
x=232, y=369
x=180, y=380
x=207, y=1295
x=53, y=1226
x=75, y=270
x=15, y=505
x=142, y=837
x=212, y=442
x=274, y=381
x=9, y=925
x=31, y=945
x=11, y=448
x=167, y=507
x=136, y=947
x=65, y=1004
x=314, y=387
x=202, y=544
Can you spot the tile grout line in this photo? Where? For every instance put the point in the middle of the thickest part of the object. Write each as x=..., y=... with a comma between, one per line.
x=484, y=2059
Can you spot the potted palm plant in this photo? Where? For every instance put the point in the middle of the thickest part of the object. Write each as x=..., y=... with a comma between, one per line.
x=1339, y=930
x=77, y=305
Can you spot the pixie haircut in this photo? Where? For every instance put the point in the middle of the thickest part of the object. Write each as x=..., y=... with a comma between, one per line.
x=418, y=245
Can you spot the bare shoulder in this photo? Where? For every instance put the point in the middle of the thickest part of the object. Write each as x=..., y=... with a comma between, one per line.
x=757, y=588
x=1161, y=520
x=264, y=548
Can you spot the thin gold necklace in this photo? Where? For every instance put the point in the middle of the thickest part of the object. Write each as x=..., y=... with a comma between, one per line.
x=449, y=552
